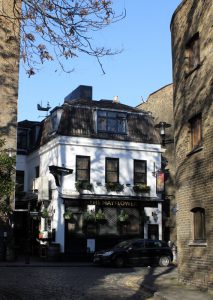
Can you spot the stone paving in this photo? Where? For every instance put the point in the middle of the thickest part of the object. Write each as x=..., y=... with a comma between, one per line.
x=78, y=281
x=63, y=282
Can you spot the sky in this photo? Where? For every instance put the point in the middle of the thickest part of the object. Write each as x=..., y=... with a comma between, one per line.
x=143, y=66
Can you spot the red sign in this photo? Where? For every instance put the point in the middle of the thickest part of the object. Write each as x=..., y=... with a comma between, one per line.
x=160, y=182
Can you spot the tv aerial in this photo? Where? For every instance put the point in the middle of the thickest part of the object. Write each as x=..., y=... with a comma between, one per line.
x=46, y=108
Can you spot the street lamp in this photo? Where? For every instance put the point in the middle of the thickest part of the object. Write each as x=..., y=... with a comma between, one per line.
x=162, y=126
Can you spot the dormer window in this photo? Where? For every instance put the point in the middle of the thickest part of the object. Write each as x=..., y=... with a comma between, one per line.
x=54, y=121
x=55, y=118
x=111, y=121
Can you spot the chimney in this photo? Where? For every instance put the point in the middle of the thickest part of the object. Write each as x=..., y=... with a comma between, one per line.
x=115, y=99
x=81, y=92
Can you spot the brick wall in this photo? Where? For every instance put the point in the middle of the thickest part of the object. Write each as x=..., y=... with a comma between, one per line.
x=9, y=65
x=160, y=104
x=194, y=170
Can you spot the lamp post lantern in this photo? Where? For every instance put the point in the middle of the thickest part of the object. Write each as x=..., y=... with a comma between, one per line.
x=162, y=126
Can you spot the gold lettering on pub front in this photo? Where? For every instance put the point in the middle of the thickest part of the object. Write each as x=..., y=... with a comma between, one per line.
x=115, y=203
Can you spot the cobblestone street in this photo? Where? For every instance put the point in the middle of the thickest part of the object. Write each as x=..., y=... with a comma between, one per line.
x=70, y=283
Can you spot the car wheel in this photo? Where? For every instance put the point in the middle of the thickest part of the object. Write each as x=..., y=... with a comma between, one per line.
x=119, y=262
x=164, y=261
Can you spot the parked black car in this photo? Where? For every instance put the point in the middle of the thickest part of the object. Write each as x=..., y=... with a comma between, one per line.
x=136, y=252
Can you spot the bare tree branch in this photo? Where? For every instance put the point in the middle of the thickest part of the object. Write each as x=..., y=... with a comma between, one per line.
x=60, y=29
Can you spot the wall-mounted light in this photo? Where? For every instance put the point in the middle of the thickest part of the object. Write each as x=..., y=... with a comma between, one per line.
x=57, y=172
x=10, y=151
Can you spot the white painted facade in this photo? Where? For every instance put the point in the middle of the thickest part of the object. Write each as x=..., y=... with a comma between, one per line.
x=62, y=150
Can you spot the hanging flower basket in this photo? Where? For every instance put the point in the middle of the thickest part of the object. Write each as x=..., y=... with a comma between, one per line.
x=45, y=214
x=68, y=215
x=83, y=185
x=123, y=217
x=141, y=188
x=114, y=187
x=100, y=217
x=89, y=217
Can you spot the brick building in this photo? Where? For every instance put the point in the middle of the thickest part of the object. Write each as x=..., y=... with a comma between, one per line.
x=9, y=67
x=192, y=50
x=160, y=104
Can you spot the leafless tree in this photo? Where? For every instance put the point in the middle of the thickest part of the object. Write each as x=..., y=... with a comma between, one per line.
x=58, y=29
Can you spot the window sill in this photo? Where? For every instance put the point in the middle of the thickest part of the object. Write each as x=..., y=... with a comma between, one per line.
x=188, y=73
x=112, y=132
x=198, y=244
x=195, y=150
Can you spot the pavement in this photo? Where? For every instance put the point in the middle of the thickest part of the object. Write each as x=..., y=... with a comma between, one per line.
x=159, y=283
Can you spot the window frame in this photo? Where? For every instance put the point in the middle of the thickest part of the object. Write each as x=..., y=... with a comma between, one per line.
x=88, y=169
x=196, y=132
x=134, y=172
x=117, y=170
x=20, y=174
x=199, y=230
x=22, y=138
x=192, y=53
x=109, y=117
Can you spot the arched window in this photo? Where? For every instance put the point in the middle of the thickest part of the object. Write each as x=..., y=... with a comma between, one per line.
x=199, y=223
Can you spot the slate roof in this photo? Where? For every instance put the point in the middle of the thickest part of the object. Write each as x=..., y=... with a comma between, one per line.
x=77, y=119
x=103, y=103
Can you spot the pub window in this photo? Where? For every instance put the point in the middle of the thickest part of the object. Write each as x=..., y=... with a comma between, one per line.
x=193, y=53
x=112, y=122
x=199, y=232
x=140, y=171
x=19, y=181
x=196, y=132
x=112, y=170
x=83, y=168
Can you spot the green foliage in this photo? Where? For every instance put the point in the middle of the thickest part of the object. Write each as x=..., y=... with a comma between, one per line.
x=68, y=215
x=114, y=187
x=7, y=184
x=93, y=216
x=123, y=216
x=100, y=216
x=5, y=207
x=141, y=188
x=89, y=216
x=45, y=214
x=83, y=185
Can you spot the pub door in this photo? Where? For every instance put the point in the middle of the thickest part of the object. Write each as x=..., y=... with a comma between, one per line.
x=153, y=231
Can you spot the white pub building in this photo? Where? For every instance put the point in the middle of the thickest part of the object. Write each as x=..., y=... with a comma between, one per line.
x=88, y=173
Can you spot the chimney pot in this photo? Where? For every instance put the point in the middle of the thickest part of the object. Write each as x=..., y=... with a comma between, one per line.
x=115, y=99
